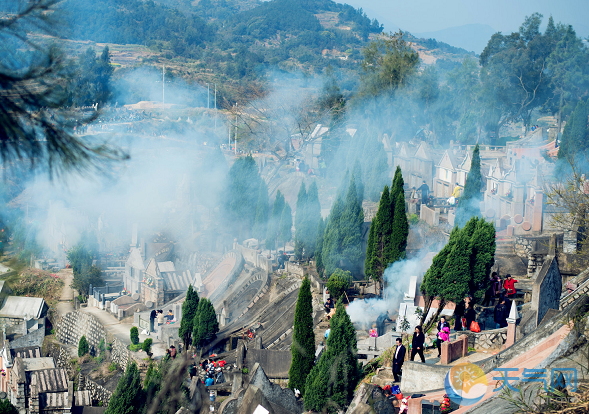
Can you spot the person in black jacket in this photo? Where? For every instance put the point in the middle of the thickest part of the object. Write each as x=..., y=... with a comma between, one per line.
x=417, y=344
x=398, y=359
x=500, y=313
x=458, y=314
x=470, y=315
x=152, y=317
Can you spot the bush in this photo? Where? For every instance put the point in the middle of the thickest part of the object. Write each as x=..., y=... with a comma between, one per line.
x=112, y=367
x=413, y=219
x=134, y=347
x=245, y=371
x=83, y=347
x=101, y=346
x=147, y=346
x=134, y=335
x=338, y=282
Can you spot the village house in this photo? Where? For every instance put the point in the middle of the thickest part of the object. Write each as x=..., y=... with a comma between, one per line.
x=417, y=161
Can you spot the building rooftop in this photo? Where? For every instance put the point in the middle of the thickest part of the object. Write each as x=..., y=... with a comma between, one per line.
x=37, y=364
x=21, y=307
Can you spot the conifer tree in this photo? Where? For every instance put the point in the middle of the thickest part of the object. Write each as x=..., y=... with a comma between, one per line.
x=303, y=342
x=357, y=174
x=351, y=228
x=456, y=273
x=189, y=308
x=128, y=397
x=468, y=204
x=274, y=223
x=300, y=222
x=380, y=246
x=331, y=252
x=312, y=219
x=331, y=383
x=576, y=132
x=205, y=323
x=285, y=227
x=319, y=247
x=397, y=187
x=400, y=230
x=262, y=212
x=369, y=261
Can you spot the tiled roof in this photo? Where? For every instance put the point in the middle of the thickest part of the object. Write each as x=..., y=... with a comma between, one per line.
x=53, y=400
x=50, y=380
x=177, y=281
x=82, y=398
x=29, y=352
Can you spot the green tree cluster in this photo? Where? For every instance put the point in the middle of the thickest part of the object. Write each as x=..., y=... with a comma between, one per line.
x=90, y=83
x=303, y=342
x=342, y=238
x=331, y=383
x=274, y=223
x=462, y=267
x=469, y=202
x=85, y=273
x=7, y=408
x=307, y=219
x=205, y=324
x=189, y=309
x=575, y=137
x=134, y=334
x=128, y=397
x=83, y=347
x=387, y=239
x=338, y=283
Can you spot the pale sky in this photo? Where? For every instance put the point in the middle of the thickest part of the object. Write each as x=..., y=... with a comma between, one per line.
x=502, y=15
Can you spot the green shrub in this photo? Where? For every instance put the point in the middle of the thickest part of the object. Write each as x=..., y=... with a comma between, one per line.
x=134, y=335
x=413, y=219
x=134, y=347
x=147, y=346
x=52, y=331
x=101, y=346
x=112, y=367
x=338, y=282
x=245, y=371
x=83, y=347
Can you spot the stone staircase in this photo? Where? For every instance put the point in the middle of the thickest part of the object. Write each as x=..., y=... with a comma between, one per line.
x=582, y=289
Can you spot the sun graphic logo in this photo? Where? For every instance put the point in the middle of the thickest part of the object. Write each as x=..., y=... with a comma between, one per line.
x=465, y=384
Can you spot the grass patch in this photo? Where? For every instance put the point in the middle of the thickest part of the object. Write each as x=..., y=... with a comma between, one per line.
x=38, y=283
x=112, y=367
x=135, y=348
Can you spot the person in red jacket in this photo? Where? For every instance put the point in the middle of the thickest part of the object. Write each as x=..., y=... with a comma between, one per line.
x=509, y=286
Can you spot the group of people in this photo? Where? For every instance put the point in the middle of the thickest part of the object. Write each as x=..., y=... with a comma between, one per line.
x=498, y=288
x=424, y=190
x=213, y=371
x=161, y=318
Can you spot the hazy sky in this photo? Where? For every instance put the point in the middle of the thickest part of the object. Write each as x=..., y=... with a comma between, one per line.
x=502, y=15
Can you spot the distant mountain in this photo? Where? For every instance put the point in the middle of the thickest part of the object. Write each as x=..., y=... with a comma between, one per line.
x=472, y=37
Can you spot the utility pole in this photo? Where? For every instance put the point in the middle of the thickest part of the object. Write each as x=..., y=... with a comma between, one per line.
x=163, y=87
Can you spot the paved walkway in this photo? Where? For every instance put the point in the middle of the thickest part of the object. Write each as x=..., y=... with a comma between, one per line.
x=65, y=304
x=529, y=360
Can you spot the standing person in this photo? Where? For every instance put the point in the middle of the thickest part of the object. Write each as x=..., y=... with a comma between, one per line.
x=441, y=325
x=509, y=286
x=458, y=314
x=417, y=344
x=490, y=292
x=424, y=192
x=160, y=317
x=398, y=359
x=496, y=284
x=192, y=370
x=500, y=314
x=170, y=316
x=470, y=315
x=152, y=317
x=173, y=351
x=456, y=192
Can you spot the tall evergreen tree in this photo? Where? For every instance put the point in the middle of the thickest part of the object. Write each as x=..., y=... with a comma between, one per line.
x=274, y=223
x=400, y=230
x=469, y=203
x=205, y=323
x=300, y=218
x=189, y=308
x=351, y=228
x=332, y=251
x=331, y=383
x=397, y=187
x=456, y=273
x=369, y=261
x=262, y=212
x=128, y=397
x=575, y=136
x=312, y=219
x=319, y=247
x=380, y=247
x=303, y=340
x=285, y=227
x=482, y=245
x=357, y=173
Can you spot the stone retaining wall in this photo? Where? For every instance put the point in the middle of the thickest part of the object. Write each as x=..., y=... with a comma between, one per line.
x=233, y=274
x=97, y=392
x=492, y=339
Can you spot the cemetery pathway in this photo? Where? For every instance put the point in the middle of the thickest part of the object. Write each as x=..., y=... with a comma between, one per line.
x=65, y=304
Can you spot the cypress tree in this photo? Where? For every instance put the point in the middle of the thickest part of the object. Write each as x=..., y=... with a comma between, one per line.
x=303, y=342
x=400, y=230
x=83, y=346
x=482, y=244
x=300, y=218
x=456, y=272
x=189, y=308
x=205, y=323
x=262, y=212
x=332, y=253
x=285, y=227
x=380, y=247
x=128, y=397
x=319, y=247
x=312, y=219
x=331, y=383
x=274, y=223
x=351, y=228
x=469, y=203
x=357, y=174
x=397, y=187
x=369, y=263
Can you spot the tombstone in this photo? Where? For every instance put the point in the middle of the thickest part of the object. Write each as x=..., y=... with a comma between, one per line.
x=136, y=296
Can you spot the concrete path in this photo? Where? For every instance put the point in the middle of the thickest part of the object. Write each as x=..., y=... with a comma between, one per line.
x=529, y=360
x=65, y=304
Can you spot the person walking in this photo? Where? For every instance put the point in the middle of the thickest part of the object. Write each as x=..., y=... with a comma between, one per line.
x=490, y=292
x=441, y=325
x=398, y=359
x=496, y=284
x=152, y=317
x=509, y=286
x=417, y=344
x=424, y=192
x=500, y=314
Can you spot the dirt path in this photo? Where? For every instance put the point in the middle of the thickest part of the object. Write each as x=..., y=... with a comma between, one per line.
x=65, y=304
